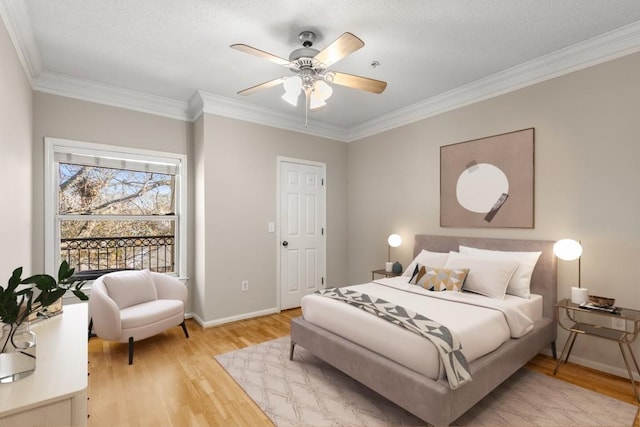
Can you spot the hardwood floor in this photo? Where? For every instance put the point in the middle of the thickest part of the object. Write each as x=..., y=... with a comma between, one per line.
x=175, y=381
x=611, y=385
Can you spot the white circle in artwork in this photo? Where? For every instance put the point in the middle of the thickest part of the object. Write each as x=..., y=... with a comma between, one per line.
x=480, y=186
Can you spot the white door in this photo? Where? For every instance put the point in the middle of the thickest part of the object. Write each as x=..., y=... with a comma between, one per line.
x=302, y=231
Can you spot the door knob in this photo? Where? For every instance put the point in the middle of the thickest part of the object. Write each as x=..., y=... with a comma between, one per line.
x=285, y=243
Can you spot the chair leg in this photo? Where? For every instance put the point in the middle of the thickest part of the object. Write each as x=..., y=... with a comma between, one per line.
x=184, y=328
x=130, y=350
x=90, y=333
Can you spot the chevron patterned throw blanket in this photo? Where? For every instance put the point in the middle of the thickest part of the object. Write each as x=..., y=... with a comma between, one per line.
x=447, y=344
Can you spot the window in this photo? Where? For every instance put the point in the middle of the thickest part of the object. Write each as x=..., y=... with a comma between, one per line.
x=112, y=208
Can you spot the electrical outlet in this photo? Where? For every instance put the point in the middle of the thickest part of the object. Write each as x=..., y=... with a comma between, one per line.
x=618, y=323
x=244, y=286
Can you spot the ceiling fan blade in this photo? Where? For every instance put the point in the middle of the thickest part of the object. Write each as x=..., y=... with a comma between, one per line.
x=265, y=85
x=358, y=82
x=344, y=45
x=260, y=53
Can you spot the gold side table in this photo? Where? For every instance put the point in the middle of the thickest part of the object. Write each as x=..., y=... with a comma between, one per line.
x=579, y=320
x=384, y=273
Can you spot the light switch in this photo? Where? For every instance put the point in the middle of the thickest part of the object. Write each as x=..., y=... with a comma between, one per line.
x=272, y=227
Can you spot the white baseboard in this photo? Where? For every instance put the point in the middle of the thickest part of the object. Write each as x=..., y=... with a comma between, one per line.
x=620, y=372
x=613, y=370
x=223, y=320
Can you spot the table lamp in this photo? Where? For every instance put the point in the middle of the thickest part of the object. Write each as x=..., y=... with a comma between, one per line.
x=394, y=241
x=569, y=250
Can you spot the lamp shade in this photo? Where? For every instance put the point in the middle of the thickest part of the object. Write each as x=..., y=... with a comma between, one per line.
x=394, y=240
x=567, y=249
x=292, y=88
x=316, y=103
x=320, y=93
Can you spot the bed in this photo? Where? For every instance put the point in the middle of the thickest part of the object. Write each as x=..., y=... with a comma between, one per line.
x=425, y=392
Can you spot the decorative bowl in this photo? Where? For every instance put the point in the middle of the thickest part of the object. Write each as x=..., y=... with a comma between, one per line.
x=602, y=301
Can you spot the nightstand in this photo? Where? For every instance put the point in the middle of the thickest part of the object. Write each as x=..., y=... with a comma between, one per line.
x=384, y=273
x=600, y=324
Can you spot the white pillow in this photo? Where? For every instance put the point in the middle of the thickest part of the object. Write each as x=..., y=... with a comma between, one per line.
x=432, y=259
x=129, y=288
x=519, y=285
x=488, y=277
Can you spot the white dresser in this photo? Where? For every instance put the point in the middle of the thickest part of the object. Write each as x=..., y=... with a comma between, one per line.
x=56, y=393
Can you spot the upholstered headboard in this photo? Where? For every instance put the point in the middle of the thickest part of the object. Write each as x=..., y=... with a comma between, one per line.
x=544, y=278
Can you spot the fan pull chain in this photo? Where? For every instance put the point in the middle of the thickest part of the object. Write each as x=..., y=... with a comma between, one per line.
x=306, y=109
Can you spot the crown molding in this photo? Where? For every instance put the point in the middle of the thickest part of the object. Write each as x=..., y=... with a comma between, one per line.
x=87, y=90
x=204, y=102
x=201, y=102
x=16, y=19
x=606, y=47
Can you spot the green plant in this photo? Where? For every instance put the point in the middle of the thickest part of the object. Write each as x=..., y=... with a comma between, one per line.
x=18, y=303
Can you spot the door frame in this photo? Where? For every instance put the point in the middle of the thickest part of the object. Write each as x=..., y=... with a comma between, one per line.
x=323, y=166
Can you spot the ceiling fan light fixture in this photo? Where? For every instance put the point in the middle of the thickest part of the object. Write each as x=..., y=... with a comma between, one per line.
x=292, y=87
x=316, y=103
x=310, y=68
x=311, y=74
x=320, y=93
x=323, y=90
x=291, y=98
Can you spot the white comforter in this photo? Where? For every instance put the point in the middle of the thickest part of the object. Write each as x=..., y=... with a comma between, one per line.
x=482, y=324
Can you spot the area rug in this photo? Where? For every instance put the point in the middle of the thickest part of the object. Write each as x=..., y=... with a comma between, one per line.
x=310, y=392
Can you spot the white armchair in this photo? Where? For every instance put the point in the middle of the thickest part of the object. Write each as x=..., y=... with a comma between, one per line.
x=128, y=306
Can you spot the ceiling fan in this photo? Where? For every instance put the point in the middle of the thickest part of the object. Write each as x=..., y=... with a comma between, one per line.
x=310, y=70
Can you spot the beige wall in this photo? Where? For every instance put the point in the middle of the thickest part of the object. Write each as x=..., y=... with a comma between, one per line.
x=16, y=172
x=239, y=195
x=586, y=181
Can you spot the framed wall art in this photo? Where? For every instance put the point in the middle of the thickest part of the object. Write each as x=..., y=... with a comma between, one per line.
x=488, y=182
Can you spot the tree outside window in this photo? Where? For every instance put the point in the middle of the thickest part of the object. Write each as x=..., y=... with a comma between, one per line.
x=116, y=218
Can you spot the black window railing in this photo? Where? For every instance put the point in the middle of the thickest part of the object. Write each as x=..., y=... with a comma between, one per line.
x=101, y=255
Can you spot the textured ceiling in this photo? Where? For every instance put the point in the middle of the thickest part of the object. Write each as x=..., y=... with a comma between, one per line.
x=172, y=48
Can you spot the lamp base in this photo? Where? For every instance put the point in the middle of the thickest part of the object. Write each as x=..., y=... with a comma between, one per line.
x=579, y=295
x=397, y=268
